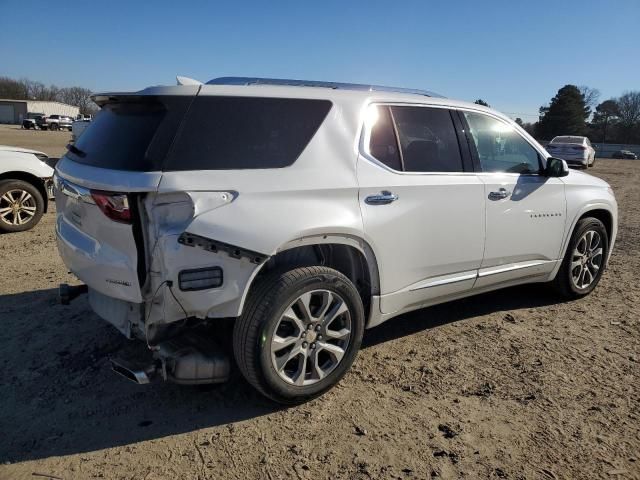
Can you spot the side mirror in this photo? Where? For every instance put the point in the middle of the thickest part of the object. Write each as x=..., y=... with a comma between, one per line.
x=556, y=167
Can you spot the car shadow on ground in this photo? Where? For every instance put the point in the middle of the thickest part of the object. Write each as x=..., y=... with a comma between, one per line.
x=60, y=396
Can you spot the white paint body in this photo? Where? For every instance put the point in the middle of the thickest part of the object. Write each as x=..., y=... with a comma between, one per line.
x=16, y=159
x=442, y=239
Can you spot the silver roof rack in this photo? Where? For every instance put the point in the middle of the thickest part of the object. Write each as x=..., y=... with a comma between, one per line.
x=315, y=83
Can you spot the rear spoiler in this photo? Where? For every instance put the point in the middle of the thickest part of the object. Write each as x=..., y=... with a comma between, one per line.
x=104, y=98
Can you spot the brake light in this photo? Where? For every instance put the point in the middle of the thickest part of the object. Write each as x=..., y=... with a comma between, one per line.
x=114, y=205
x=578, y=147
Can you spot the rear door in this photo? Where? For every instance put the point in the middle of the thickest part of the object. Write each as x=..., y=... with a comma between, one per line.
x=99, y=184
x=525, y=210
x=422, y=207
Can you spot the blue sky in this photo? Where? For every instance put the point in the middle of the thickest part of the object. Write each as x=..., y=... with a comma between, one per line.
x=514, y=54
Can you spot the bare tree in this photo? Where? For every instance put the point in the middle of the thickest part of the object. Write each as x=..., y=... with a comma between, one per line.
x=629, y=113
x=78, y=96
x=590, y=95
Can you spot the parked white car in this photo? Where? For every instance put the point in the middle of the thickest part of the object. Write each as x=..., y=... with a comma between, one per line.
x=573, y=149
x=25, y=188
x=309, y=211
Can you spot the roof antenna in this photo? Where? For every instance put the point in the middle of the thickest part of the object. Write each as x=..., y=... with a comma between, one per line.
x=187, y=81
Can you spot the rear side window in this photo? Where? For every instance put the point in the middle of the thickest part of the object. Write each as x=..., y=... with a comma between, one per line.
x=428, y=139
x=415, y=139
x=228, y=133
x=382, y=141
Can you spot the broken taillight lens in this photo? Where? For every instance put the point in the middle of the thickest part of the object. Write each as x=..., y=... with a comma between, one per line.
x=114, y=205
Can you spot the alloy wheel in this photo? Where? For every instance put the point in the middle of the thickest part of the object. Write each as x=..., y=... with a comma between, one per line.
x=586, y=259
x=311, y=337
x=17, y=207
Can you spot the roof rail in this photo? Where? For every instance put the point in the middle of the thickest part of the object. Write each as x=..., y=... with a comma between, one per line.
x=316, y=83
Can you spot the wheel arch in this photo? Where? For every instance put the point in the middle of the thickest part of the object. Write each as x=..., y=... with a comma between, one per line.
x=350, y=255
x=34, y=180
x=603, y=212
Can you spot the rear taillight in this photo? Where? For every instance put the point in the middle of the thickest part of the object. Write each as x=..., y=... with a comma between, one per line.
x=579, y=147
x=114, y=205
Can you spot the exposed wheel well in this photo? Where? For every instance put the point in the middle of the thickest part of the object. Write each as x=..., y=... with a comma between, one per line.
x=347, y=259
x=32, y=179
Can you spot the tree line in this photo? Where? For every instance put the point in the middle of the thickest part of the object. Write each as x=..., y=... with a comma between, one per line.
x=577, y=111
x=25, y=89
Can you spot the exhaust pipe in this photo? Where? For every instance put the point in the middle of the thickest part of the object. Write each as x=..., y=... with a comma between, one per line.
x=136, y=375
x=67, y=293
x=188, y=360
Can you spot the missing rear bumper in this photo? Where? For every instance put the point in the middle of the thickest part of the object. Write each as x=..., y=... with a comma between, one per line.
x=187, y=360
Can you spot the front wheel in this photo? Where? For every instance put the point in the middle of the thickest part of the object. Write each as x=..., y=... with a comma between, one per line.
x=21, y=206
x=299, y=333
x=585, y=259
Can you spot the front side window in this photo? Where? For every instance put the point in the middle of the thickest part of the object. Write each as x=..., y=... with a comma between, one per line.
x=500, y=147
x=415, y=139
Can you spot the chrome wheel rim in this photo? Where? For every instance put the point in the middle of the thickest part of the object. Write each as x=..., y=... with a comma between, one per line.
x=311, y=337
x=17, y=207
x=586, y=259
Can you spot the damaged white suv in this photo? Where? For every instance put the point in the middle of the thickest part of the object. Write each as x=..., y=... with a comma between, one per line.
x=307, y=212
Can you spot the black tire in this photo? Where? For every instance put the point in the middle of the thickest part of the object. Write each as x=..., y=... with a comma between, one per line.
x=7, y=218
x=53, y=127
x=263, y=310
x=564, y=282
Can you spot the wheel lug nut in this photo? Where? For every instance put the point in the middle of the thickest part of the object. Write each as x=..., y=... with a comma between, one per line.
x=304, y=344
x=313, y=346
x=310, y=327
x=319, y=337
x=317, y=328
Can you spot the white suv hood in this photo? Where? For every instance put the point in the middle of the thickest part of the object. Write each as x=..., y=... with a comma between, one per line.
x=7, y=148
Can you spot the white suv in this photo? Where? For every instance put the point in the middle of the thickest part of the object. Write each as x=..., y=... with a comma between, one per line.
x=307, y=212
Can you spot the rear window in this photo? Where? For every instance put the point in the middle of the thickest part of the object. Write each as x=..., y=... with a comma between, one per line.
x=567, y=140
x=227, y=133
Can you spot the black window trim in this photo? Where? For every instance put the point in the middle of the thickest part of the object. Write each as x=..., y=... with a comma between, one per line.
x=474, y=151
x=366, y=131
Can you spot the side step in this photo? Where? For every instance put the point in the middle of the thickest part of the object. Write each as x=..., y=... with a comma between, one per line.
x=188, y=360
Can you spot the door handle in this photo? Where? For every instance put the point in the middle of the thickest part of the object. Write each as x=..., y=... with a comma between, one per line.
x=382, y=198
x=500, y=194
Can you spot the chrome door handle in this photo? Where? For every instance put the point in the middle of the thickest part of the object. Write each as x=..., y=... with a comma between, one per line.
x=382, y=198
x=500, y=194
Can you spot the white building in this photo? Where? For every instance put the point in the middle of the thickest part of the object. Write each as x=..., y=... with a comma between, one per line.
x=14, y=111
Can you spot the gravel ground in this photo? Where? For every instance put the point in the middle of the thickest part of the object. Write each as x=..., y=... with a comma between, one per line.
x=512, y=384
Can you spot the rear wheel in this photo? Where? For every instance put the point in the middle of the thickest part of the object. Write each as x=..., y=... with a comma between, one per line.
x=21, y=206
x=299, y=334
x=585, y=259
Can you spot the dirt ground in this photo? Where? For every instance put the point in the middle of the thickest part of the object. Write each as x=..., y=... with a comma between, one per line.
x=512, y=384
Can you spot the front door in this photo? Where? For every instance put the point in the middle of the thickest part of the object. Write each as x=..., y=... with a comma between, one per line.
x=525, y=210
x=423, y=211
